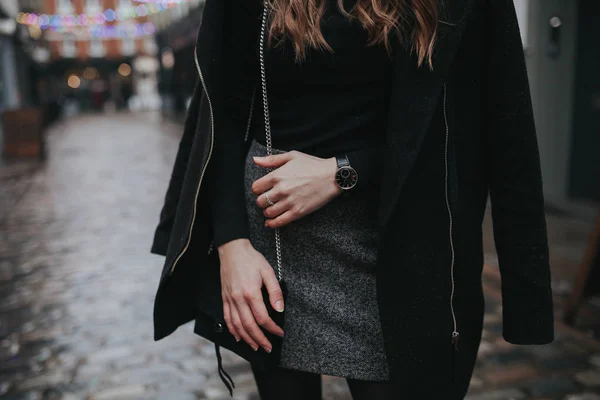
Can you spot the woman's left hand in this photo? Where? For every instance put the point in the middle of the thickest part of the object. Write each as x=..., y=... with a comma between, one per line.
x=300, y=185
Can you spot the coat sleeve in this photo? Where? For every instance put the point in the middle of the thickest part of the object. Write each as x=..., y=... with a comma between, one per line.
x=162, y=233
x=513, y=167
x=240, y=73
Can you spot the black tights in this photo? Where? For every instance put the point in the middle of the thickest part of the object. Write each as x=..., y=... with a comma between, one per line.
x=287, y=384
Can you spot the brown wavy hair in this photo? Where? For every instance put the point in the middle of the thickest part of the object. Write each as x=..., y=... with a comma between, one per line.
x=415, y=22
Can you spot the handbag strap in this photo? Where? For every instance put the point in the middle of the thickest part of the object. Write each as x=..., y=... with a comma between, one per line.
x=263, y=78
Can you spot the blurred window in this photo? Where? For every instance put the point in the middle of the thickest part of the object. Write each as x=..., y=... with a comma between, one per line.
x=65, y=7
x=127, y=46
x=96, y=48
x=150, y=46
x=68, y=48
x=92, y=6
x=125, y=4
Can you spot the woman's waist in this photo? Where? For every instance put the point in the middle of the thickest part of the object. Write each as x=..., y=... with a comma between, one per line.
x=323, y=136
x=319, y=147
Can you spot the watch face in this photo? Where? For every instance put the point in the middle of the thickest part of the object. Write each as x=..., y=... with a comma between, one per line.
x=346, y=177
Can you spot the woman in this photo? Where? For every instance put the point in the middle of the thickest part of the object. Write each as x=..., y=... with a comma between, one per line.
x=428, y=103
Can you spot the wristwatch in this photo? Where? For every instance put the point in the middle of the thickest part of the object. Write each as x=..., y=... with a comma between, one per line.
x=345, y=176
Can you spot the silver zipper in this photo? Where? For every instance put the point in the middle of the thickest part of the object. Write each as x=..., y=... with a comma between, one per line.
x=212, y=140
x=455, y=334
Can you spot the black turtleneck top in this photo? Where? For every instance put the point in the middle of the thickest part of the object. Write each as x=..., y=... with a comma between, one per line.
x=329, y=104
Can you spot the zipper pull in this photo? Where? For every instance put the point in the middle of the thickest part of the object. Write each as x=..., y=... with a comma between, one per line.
x=454, y=355
x=455, y=337
x=211, y=247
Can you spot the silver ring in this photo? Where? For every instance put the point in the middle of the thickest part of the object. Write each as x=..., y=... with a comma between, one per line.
x=268, y=199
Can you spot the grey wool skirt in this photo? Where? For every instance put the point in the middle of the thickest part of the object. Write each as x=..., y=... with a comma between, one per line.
x=332, y=322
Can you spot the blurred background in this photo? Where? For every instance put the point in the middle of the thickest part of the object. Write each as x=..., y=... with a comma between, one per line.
x=93, y=94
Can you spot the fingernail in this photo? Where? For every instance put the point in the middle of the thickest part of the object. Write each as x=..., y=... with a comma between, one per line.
x=237, y=339
x=282, y=335
x=279, y=305
x=268, y=349
x=255, y=348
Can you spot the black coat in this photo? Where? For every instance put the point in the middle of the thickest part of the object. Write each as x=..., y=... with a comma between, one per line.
x=454, y=135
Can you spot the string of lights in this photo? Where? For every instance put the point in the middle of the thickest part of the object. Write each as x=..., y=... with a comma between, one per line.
x=106, y=31
x=161, y=1
x=58, y=21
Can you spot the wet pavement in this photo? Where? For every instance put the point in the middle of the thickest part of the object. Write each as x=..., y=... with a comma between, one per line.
x=77, y=283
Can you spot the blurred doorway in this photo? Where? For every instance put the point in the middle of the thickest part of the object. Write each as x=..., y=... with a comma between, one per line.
x=563, y=61
x=585, y=147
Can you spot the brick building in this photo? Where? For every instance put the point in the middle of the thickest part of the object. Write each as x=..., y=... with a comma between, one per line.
x=101, y=53
x=116, y=38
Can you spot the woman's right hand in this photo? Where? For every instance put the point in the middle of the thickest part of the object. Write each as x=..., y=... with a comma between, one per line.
x=243, y=272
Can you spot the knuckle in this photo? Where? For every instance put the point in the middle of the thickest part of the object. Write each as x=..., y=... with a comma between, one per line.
x=237, y=297
x=248, y=294
x=262, y=320
x=267, y=272
x=247, y=326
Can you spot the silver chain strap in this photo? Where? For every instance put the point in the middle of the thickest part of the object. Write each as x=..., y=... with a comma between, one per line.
x=263, y=77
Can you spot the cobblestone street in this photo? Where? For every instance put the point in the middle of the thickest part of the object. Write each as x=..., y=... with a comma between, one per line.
x=77, y=284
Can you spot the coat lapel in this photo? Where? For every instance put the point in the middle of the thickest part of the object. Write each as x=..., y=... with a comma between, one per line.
x=413, y=102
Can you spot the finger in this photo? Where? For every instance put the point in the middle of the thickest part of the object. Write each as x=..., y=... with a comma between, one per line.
x=276, y=210
x=262, y=318
x=282, y=219
x=263, y=184
x=274, y=195
x=274, y=289
x=228, y=322
x=274, y=161
x=239, y=327
x=251, y=327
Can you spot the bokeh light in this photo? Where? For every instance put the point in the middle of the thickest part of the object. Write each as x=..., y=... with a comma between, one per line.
x=74, y=82
x=90, y=73
x=124, y=69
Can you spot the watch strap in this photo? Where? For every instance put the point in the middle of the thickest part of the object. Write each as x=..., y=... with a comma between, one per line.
x=342, y=161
